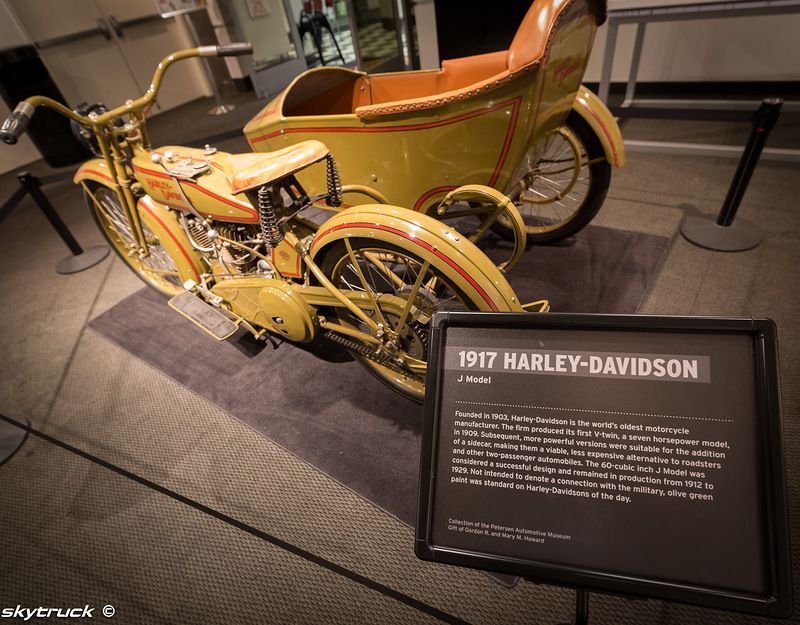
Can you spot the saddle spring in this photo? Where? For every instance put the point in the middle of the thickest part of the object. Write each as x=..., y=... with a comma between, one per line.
x=268, y=218
x=334, y=181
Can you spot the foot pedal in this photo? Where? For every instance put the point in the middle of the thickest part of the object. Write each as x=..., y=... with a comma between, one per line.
x=208, y=318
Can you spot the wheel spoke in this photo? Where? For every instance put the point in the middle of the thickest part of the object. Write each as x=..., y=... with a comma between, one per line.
x=412, y=296
x=370, y=294
x=407, y=291
x=157, y=268
x=375, y=260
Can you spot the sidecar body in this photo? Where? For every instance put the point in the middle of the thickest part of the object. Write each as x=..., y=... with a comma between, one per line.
x=414, y=136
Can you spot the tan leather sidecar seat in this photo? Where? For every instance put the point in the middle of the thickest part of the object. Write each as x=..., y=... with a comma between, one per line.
x=252, y=170
x=460, y=79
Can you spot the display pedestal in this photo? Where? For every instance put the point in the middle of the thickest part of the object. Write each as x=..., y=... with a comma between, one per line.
x=11, y=439
x=723, y=233
x=84, y=260
x=706, y=232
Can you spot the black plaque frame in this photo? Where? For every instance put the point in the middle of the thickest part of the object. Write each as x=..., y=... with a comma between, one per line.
x=777, y=602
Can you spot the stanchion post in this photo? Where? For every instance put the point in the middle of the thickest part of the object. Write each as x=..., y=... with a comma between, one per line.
x=764, y=121
x=79, y=259
x=723, y=234
x=31, y=185
x=581, y=608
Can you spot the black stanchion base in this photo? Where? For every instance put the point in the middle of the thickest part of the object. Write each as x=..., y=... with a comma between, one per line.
x=84, y=260
x=11, y=439
x=704, y=231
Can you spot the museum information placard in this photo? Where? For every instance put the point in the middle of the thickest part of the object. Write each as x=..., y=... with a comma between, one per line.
x=612, y=452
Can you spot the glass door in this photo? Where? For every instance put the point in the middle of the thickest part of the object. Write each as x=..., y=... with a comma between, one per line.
x=379, y=35
x=325, y=33
x=78, y=47
x=277, y=52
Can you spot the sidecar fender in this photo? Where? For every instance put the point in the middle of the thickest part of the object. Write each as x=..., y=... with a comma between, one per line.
x=461, y=262
x=95, y=170
x=596, y=114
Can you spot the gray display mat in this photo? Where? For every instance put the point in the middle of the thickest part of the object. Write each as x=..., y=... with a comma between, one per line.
x=325, y=408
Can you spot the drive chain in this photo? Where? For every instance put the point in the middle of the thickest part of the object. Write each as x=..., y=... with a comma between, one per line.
x=366, y=352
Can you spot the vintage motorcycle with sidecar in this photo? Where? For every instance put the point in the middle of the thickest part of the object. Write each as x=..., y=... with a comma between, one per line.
x=517, y=120
x=226, y=236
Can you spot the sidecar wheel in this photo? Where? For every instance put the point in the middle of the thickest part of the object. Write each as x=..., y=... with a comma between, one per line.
x=391, y=271
x=556, y=199
x=158, y=270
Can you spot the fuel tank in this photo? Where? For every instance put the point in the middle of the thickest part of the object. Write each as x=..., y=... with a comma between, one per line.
x=193, y=179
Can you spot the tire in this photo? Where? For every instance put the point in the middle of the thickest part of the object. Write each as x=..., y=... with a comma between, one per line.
x=114, y=225
x=554, y=220
x=412, y=338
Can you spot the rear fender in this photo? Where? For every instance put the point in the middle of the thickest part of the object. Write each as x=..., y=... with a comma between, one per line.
x=597, y=115
x=447, y=250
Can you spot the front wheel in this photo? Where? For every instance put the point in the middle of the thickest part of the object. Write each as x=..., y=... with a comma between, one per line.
x=406, y=290
x=157, y=269
x=560, y=184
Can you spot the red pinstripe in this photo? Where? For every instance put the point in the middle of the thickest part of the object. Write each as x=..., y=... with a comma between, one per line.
x=507, y=143
x=407, y=127
x=94, y=171
x=603, y=126
x=188, y=258
x=419, y=242
x=203, y=190
x=427, y=194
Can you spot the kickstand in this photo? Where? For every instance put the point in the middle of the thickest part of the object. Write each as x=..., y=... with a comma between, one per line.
x=271, y=340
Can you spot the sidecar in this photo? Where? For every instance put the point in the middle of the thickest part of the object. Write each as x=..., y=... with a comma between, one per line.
x=414, y=136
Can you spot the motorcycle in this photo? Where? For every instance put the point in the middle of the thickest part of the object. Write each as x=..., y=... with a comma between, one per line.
x=517, y=120
x=229, y=239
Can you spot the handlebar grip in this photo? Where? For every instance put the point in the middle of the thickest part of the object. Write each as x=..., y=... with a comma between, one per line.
x=15, y=124
x=235, y=49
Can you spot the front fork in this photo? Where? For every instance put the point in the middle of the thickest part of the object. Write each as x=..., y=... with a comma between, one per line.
x=116, y=160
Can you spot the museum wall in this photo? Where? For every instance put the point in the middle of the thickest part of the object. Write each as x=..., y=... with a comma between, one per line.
x=732, y=49
x=736, y=49
x=94, y=69
x=25, y=152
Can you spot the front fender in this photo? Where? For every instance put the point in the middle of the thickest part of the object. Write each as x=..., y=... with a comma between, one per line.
x=95, y=170
x=447, y=250
x=597, y=115
x=164, y=224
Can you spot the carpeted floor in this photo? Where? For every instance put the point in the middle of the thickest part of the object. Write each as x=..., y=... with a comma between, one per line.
x=73, y=533
x=309, y=400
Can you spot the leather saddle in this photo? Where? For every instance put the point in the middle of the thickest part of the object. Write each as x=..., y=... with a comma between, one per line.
x=252, y=170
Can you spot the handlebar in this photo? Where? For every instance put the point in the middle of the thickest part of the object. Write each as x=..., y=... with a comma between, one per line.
x=17, y=122
x=230, y=49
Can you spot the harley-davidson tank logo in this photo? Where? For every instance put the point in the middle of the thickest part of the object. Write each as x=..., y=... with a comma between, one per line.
x=165, y=191
x=284, y=255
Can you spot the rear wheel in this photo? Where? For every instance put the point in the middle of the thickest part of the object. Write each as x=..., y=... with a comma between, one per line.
x=560, y=184
x=157, y=269
x=407, y=290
